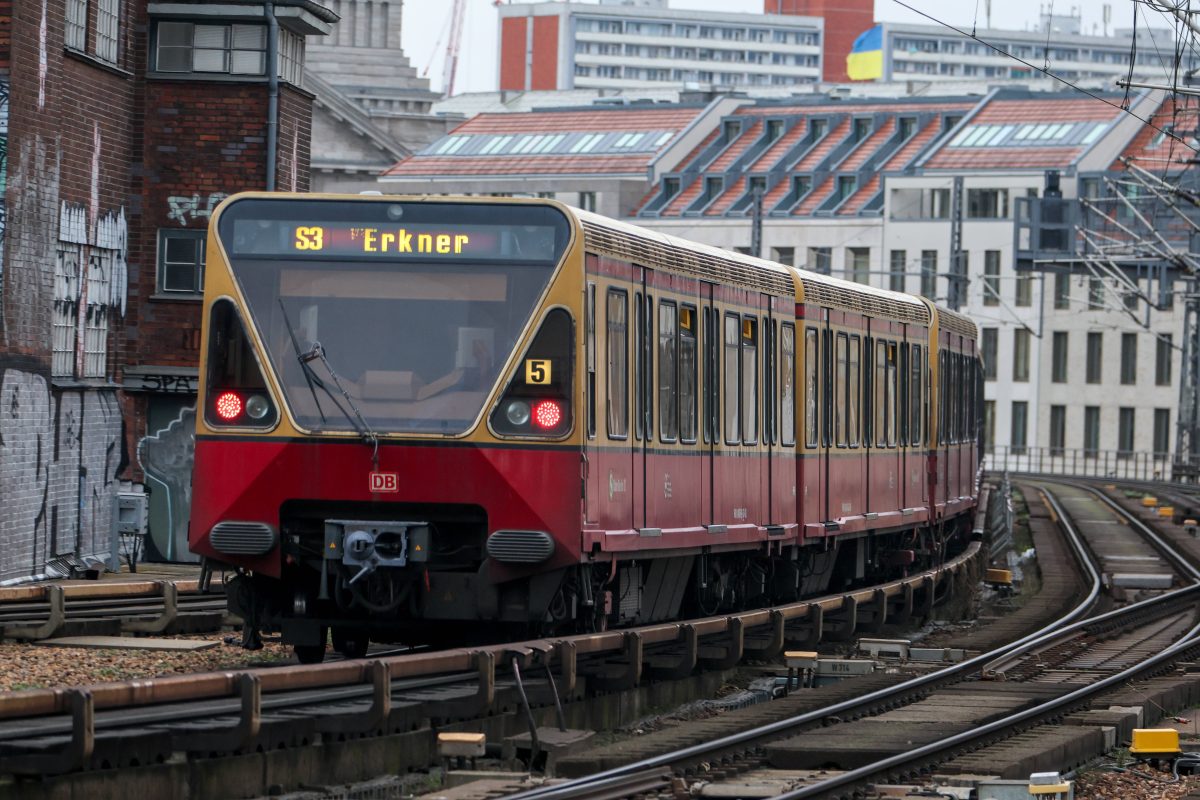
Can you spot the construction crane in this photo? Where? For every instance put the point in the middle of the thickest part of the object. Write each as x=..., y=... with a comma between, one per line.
x=457, y=12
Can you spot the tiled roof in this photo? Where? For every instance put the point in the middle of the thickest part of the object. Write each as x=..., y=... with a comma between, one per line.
x=912, y=148
x=815, y=198
x=737, y=147
x=780, y=146
x=607, y=141
x=733, y=191
x=681, y=201
x=860, y=197
x=1026, y=133
x=832, y=139
x=1157, y=151
x=867, y=147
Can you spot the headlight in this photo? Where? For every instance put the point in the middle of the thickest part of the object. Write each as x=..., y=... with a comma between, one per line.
x=257, y=406
x=517, y=412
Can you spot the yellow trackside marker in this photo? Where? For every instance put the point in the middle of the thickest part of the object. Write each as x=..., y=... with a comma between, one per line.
x=537, y=371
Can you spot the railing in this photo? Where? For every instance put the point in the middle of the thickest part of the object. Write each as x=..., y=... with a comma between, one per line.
x=1130, y=465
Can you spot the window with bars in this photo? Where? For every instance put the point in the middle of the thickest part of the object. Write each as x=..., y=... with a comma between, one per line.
x=102, y=40
x=66, y=310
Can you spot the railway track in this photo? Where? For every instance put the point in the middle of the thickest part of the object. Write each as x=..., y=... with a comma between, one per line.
x=86, y=732
x=1062, y=667
x=42, y=611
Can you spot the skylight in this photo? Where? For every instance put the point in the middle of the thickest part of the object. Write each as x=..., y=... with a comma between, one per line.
x=487, y=144
x=1034, y=134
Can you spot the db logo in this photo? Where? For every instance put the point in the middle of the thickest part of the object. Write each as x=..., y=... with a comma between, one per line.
x=385, y=481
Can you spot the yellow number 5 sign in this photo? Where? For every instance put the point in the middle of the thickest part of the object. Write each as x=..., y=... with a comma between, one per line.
x=537, y=370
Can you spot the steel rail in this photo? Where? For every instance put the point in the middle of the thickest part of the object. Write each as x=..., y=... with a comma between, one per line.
x=222, y=685
x=931, y=751
x=746, y=739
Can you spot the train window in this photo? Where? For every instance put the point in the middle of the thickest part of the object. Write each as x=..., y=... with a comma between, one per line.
x=826, y=388
x=733, y=337
x=749, y=380
x=941, y=398
x=639, y=333
x=770, y=344
x=841, y=402
x=880, y=393
x=709, y=343
x=668, y=398
x=854, y=391
x=892, y=352
x=787, y=393
x=687, y=374
x=914, y=393
x=618, y=374
x=811, y=364
x=902, y=396
x=590, y=313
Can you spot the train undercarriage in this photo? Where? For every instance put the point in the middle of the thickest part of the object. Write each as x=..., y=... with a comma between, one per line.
x=423, y=576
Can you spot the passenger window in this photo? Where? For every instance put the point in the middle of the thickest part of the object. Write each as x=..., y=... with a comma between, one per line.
x=811, y=366
x=687, y=374
x=902, y=396
x=668, y=401
x=826, y=388
x=787, y=393
x=841, y=403
x=648, y=368
x=710, y=376
x=749, y=380
x=914, y=395
x=617, y=354
x=770, y=410
x=591, y=360
x=733, y=336
x=639, y=335
x=892, y=352
x=854, y=390
x=880, y=393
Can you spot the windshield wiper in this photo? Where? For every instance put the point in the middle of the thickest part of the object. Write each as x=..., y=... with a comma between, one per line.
x=317, y=352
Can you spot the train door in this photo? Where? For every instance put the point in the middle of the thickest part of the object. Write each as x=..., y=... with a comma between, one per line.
x=769, y=419
x=828, y=512
x=812, y=463
x=643, y=401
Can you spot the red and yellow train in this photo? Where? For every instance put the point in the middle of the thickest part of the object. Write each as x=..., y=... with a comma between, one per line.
x=420, y=414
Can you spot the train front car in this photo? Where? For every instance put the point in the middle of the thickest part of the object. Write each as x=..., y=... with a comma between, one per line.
x=388, y=400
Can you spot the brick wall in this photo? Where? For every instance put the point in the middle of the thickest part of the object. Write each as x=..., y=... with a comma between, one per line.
x=844, y=21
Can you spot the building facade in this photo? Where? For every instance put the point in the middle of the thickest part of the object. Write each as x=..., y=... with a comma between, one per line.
x=922, y=194
x=628, y=46
x=126, y=123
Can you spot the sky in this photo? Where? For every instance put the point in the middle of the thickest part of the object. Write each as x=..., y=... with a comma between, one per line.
x=426, y=30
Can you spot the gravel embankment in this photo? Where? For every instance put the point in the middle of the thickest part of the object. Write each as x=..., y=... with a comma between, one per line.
x=1104, y=785
x=27, y=666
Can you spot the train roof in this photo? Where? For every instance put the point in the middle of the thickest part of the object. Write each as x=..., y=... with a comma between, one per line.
x=641, y=245
x=956, y=323
x=827, y=290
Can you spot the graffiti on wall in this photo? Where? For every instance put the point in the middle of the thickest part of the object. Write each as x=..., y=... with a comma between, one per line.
x=183, y=209
x=166, y=457
x=3, y=168
x=60, y=453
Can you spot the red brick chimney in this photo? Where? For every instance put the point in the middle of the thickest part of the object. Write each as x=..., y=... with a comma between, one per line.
x=844, y=21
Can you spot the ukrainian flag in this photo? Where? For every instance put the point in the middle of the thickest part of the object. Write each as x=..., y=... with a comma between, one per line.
x=865, y=61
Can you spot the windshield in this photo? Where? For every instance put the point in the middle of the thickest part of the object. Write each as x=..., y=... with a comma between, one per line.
x=416, y=305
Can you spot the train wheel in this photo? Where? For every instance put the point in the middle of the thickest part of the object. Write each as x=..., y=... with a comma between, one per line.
x=350, y=643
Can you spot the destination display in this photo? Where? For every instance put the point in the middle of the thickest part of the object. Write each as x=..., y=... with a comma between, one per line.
x=392, y=241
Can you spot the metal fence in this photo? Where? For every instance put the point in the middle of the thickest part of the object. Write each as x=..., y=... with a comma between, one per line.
x=1080, y=462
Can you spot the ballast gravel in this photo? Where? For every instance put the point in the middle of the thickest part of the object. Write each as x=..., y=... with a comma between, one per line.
x=25, y=666
x=1139, y=783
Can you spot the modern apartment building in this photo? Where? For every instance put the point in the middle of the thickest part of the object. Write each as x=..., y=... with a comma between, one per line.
x=562, y=45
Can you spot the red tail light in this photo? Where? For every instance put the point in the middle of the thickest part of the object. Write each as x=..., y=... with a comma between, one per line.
x=547, y=414
x=228, y=406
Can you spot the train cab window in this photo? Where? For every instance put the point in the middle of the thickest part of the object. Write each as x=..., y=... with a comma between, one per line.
x=749, y=380
x=787, y=389
x=590, y=314
x=687, y=374
x=880, y=399
x=617, y=346
x=668, y=398
x=854, y=391
x=733, y=337
x=811, y=367
x=841, y=402
x=914, y=394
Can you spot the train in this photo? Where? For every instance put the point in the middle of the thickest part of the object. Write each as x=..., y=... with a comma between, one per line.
x=423, y=418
